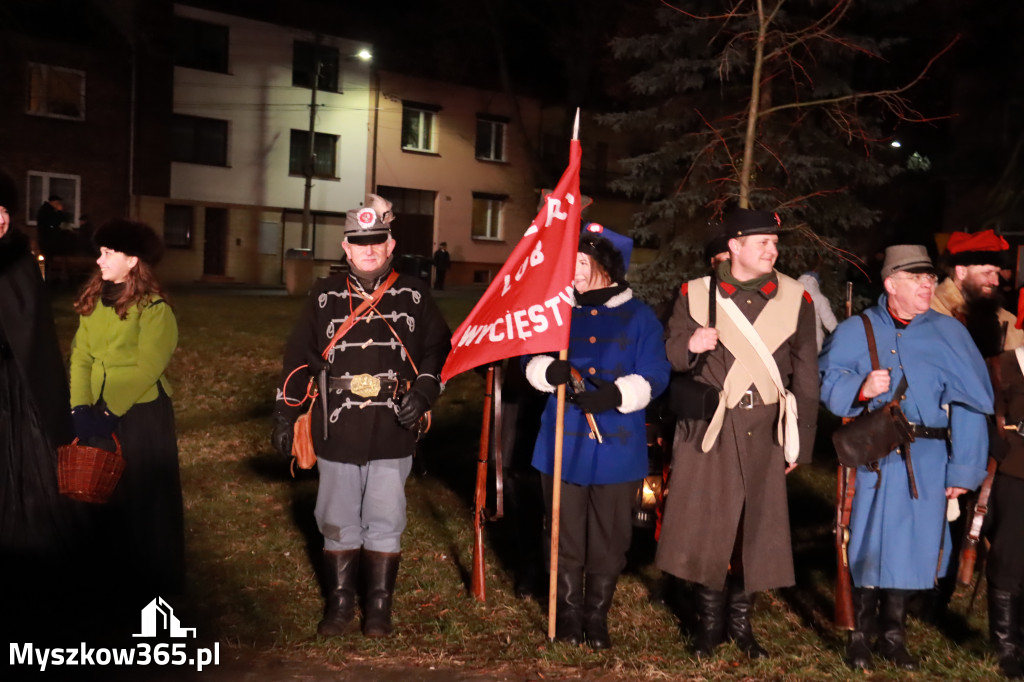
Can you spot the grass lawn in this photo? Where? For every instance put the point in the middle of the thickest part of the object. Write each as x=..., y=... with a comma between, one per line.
x=253, y=546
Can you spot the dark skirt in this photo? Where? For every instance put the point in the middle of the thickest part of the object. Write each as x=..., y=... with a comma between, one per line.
x=143, y=524
x=38, y=526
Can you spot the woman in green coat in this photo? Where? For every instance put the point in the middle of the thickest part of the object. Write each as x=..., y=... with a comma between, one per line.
x=126, y=336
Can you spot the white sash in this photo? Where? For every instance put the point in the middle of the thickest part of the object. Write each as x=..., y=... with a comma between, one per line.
x=788, y=429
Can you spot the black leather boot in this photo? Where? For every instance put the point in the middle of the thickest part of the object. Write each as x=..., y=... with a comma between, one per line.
x=597, y=600
x=381, y=571
x=341, y=572
x=711, y=616
x=738, y=629
x=1004, y=631
x=892, y=642
x=865, y=616
x=569, y=610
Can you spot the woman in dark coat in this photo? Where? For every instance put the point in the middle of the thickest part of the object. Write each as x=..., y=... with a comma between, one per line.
x=40, y=531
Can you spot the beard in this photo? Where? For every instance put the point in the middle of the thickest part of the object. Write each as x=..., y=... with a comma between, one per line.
x=982, y=321
x=975, y=293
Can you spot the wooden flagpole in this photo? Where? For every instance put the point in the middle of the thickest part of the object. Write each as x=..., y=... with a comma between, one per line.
x=556, y=484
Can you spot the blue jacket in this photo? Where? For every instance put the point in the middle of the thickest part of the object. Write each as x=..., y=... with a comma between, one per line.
x=620, y=341
x=898, y=542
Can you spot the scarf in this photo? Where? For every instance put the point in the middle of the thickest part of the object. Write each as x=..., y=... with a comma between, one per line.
x=598, y=297
x=725, y=275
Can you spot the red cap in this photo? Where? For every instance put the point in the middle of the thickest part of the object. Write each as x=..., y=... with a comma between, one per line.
x=980, y=248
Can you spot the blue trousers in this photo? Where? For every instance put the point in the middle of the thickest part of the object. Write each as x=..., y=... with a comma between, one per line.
x=362, y=506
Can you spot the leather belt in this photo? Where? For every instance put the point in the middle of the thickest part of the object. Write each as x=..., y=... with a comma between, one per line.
x=935, y=432
x=364, y=385
x=750, y=400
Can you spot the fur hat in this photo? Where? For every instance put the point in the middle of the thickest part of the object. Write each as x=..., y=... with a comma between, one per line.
x=8, y=193
x=130, y=238
x=370, y=224
x=610, y=250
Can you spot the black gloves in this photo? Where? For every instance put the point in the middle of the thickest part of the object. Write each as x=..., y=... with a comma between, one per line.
x=417, y=401
x=601, y=399
x=93, y=421
x=281, y=436
x=557, y=372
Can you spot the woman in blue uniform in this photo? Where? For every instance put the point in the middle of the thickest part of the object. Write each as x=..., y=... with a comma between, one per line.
x=616, y=344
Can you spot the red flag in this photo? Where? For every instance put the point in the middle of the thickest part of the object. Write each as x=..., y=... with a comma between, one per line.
x=527, y=308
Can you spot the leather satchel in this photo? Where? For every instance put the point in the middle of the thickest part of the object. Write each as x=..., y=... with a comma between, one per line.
x=690, y=398
x=873, y=435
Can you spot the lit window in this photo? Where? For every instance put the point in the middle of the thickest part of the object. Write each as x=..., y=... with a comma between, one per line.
x=56, y=91
x=487, y=210
x=179, y=224
x=195, y=139
x=418, y=121
x=490, y=138
x=325, y=154
x=41, y=186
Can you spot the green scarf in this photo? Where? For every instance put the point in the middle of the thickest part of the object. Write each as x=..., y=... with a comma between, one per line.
x=725, y=275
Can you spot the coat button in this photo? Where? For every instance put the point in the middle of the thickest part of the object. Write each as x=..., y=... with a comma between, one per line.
x=893, y=351
x=593, y=339
x=899, y=334
x=593, y=312
x=750, y=433
x=590, y=435
x=749, y=302
x=592, y=371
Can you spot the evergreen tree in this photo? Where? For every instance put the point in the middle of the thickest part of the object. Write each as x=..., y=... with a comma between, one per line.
x=767, y=104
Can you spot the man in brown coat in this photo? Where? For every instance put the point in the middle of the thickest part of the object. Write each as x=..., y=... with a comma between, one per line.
x=726, y=521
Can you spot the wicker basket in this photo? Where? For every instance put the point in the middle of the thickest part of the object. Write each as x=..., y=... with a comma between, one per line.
x=88, y=474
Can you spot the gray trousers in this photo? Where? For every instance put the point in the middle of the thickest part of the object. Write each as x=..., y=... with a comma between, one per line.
x=362, y=506
x=595, y=526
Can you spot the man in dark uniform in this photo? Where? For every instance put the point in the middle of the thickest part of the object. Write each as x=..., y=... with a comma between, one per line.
x=381, y=378
x=726, y=521
x=50, y=216
x=442, y=263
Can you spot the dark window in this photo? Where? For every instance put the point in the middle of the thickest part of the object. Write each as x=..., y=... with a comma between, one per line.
x=304, y=66
x=199, y=140
x=490, y=138
x=179, y=224
x=56, y=91
x=200, y=45
x=325, y=153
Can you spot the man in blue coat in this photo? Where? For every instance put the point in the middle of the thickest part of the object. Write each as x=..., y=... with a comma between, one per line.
x=899, y=543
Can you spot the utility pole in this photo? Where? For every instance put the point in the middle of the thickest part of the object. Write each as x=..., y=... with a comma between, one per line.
x=311, y=149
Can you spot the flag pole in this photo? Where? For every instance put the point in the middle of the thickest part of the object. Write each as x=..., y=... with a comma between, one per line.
x=556, y=484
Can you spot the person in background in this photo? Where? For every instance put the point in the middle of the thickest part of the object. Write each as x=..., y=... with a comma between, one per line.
x=381, y=379
x=50, y=216
x=127, y=333
x=824, y=317
x=442, y=263
x=899, y=532
x=616, y=344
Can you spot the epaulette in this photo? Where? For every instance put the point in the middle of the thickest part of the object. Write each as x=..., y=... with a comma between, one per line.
x=683, y=289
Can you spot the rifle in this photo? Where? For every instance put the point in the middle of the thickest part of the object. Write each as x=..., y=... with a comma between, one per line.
x=577, y=386
x=846, y=479
x=492, y=403
x=969, y=551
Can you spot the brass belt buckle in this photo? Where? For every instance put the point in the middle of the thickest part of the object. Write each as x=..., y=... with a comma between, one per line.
x=365, y=385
